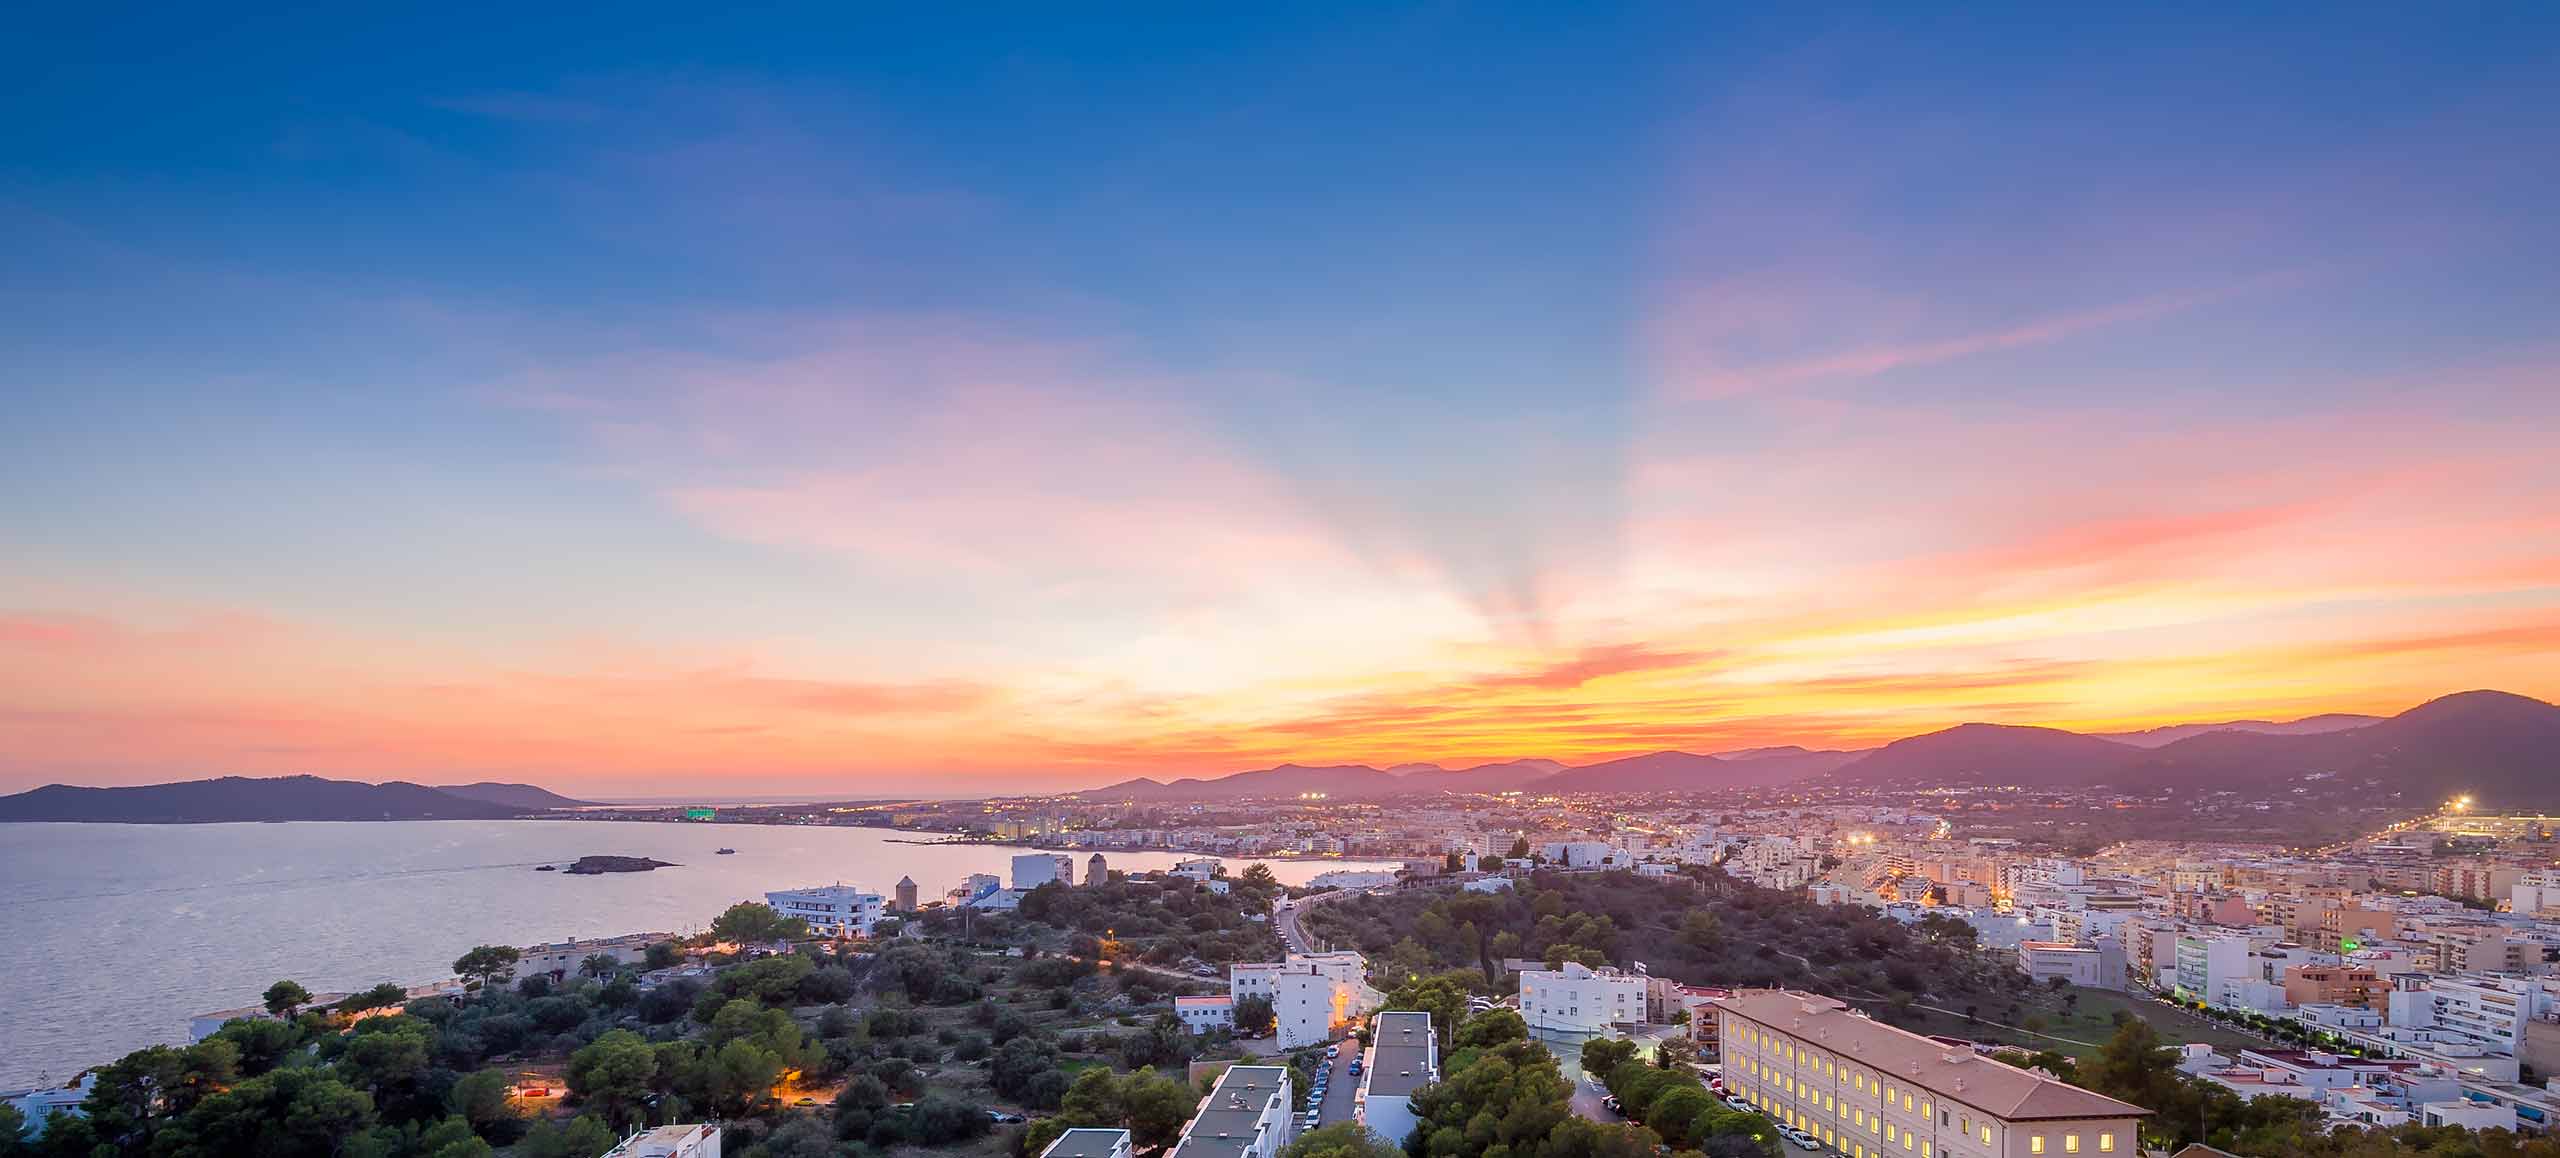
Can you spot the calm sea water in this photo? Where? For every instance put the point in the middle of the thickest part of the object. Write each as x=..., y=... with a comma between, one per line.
x=117, y=934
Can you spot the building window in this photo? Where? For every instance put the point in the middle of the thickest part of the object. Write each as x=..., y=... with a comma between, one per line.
x=1986, y=1134
x=2106, y=1143
x=2071, y=1143
x=2035, y=1143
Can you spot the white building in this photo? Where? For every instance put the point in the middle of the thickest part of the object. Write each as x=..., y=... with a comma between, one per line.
x=693, y=1141
x=1580, y=999
x=1403, y=1056
x=837, y=910
x=1246, y=1115
x=1582, y=853
x=1034, y=869
x=1351, y=879
x=1198, y=868
x=974, y=886
x=2212, y=967
x=1202, y=1014
x=1089, y=1142
x=1310, y=993
x=2046, y=960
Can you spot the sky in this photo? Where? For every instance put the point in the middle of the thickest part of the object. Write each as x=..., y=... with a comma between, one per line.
x=1012, y=397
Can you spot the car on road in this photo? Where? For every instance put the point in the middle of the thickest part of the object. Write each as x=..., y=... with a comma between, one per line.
x=1799, y=1137
x=1332, y=1051
x=1736, y=1101
x=1002, y=1118
x=1614, y=1106
x=1355, y=1067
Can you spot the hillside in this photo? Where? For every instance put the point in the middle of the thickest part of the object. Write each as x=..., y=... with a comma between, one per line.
x=1339, y=781
x=511, y=795
x=1978, y=754
x=2307, y=726
x=240, y=798
x=1691, y=772
x=2501, y=749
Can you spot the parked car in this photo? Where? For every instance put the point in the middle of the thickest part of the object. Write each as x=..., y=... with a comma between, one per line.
x=1002, y=1118
x=1799, y=1137
x=1736, y=1101
x=1612, y=1102
x=1333, y=1051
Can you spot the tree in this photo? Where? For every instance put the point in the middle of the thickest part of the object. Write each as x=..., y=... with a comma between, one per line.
x=1519, y=849
x=661, y=955
x=1442, y=995
x=1491, y=1028
x=13, y=1133
x=1341, y=1140
x=613, y=1073
x=584, y=1137
x=1258, y=875
x=599, y=965
x=383, y=996
x=1254, y=1016
x=754, y=922
x=480, y=1098
x=488, y=965
x=284, y=997
x=1454, y=862
x=1601, y=1056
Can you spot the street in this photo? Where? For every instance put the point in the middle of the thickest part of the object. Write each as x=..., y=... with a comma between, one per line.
x=1340, y=1086
x=1586, y=1100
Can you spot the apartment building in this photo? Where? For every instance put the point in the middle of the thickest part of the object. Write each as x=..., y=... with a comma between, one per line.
x=1246, y=1115
x=1403, y=1056
x=1202, y=1014
x=1034, y=869
x=1089, y=1142
x=565, y=957
x=2350, y=985
x=689, y=1141
x=837, y=910
x=2211, y=966
x=1310, y=993
x=1868, y=1090
x=1580, y=999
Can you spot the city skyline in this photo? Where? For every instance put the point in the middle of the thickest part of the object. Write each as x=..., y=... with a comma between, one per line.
x=1025, y=404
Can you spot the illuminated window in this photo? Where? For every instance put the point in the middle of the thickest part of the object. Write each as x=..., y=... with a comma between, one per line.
x=1924, y=1107
x=1924, y=1150
x=2035, y=1143
x=1906, y=1141
x=1906, y=1100
x=2106, y=1143
x=1891, y=1133
x=1986, y=1135
x=2071, y=1143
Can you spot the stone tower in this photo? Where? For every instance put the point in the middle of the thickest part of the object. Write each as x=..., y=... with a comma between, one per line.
x=1095, y=871
x=906, y=894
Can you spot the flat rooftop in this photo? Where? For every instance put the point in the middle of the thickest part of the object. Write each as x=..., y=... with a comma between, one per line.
x=1400, y=1053
x=1087, y=1142
x=1230, y=1118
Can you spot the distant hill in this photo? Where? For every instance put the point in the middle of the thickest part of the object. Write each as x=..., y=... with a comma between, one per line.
x=1339, y=781
x=1977, y=754
x=511, y=795
x=1507, y=776
x=1691, y=772
x=2306, y=726
x=2501, y=749
x=240, y=798
x=1335, y=781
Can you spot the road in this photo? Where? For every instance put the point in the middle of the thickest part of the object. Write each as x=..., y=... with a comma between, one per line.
x=1284, y=918
x=1340, y=1086
x=1586, y=1099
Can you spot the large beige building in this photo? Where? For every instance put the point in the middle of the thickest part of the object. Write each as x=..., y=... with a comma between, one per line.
x=1868, y=1090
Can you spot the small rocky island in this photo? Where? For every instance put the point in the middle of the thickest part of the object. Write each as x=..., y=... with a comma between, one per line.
x=595, y=865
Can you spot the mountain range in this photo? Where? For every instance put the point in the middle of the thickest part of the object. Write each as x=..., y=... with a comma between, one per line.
x=2502, y=749
x=241, y=798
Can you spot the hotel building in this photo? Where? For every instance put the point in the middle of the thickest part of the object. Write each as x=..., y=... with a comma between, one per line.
x=1580, y=999
x=837, y=910
x=1868, y=1090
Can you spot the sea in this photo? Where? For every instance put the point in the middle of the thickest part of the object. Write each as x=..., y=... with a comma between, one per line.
x=117, y=934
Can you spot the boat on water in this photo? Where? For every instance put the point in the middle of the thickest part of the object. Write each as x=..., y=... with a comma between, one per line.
x=544, y=868
x=724, y=852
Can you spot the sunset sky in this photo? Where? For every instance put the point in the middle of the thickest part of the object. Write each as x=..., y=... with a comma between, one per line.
x=1024, y=397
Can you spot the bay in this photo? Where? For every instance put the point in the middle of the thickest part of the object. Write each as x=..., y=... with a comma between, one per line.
x=116, y=934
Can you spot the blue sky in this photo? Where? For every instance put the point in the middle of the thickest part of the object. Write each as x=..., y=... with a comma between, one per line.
x=1193, y=373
